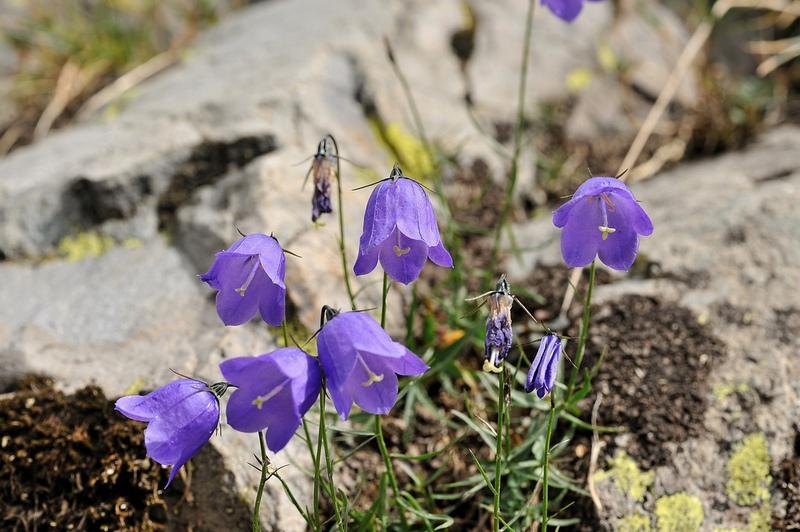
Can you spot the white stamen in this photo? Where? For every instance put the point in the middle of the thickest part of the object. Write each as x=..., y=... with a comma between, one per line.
x=259, y=401
x=373, y=378
x=242, y=289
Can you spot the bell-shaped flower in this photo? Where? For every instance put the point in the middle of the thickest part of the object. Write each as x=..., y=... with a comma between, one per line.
x=249, y=276
x=566, y=10
x=273, y=392
x=602, y=219
x=400, y=231
x=181, y=417
x=542, y=375
x=361, y=363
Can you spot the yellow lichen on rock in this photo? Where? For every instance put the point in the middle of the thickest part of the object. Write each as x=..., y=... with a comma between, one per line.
x=748, y=471
x=627, y=476
x=633, y=523
x=679, y=513
x=760, y=520
x=84, y=245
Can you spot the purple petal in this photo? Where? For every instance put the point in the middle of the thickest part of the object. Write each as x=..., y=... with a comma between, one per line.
x=375, y=391
x=633, y=213
x=148, y=407
x=336, y=352
x=379, y=218
x=566, y=10
x=342, y=401
x=440, y=256
x=414, y=213
x=363, y=333
x=229, y=270
x=367, y=259
x=281, y=431
x=618, y=251
x=236, y=308
x=408, y=364
x=403, y=258
x=581, y=236
x=272, y=305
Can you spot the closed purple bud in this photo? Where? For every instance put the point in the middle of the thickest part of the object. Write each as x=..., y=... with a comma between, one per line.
x=566, y=10
x=249, y=276
x=542, y=375
x=400, y=231
x=602, y=219
x=273, y=392
x=499, y=335
x=181, y=418
x=361, y=363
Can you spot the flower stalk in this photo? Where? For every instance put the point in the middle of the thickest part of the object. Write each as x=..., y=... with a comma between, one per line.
x=498, y=458
x=342, y=250
x=259, y=494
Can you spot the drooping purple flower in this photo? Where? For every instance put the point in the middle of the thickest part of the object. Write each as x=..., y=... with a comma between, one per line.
x=249, y=276
x=566, y=10
x=400, y=231
x=323, y=170
x=273, y=392
x=499, y=335
x=181, y=417
x=602, y=219
x=542, y=375
x=361, y=363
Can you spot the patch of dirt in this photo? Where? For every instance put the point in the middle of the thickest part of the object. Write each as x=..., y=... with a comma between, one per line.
x=654, y=376
x=72, y=462
x=787, y=480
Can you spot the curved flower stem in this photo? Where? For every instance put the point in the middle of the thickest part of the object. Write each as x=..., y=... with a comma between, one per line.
x=322, y=443
x=317, y=476
x=342, y=249
x=498, y=458
x=587, y=306
x=546, y=467
x=523, y=79
x=257, y=506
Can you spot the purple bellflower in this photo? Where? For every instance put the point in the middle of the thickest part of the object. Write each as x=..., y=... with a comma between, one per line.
x=566, y=10
x=602, y=218
x=181, y=417
x=249, y=276
x=542, y=375
x=273, y=392
x=361, y=362
x=499, y=335
x=323, y=169
x=400, y=231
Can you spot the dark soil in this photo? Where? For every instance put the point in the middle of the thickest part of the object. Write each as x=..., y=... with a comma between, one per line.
x=787, y=481
x=654, y=376
x=70, y=462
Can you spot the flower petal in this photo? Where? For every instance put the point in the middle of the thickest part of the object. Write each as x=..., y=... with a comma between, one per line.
x=272, y=303
x=566, y=10
x=440, y=256
x=414, y=213
x=235, y=307
x=367, y=258
x=229, y=270
x=336, y=352
x=148, y=407
x=281, y=431
x=581, y=237
x=632, y=212
x=379, y=218
x=375, y=393
x=403, y=258
x=408, y=364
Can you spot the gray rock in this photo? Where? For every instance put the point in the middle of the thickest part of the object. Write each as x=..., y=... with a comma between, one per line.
x=733, y=221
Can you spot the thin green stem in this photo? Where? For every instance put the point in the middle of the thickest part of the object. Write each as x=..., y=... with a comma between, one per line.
x=546, y=467
x=498, y=458
x=257, y=506
x=317, y=477
x=523, y=79
x=322, y=441
x=285, y=329
x=383, y=299
x=387, y=462
x=342, y=248
x=584, y=334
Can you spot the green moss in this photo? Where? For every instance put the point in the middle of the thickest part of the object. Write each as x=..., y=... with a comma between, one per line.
x=627, y=476
x=84, y=245
x=634, y=523
x=748, y=471
x=679, y=513
x=760, y=520
x=723, y=391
